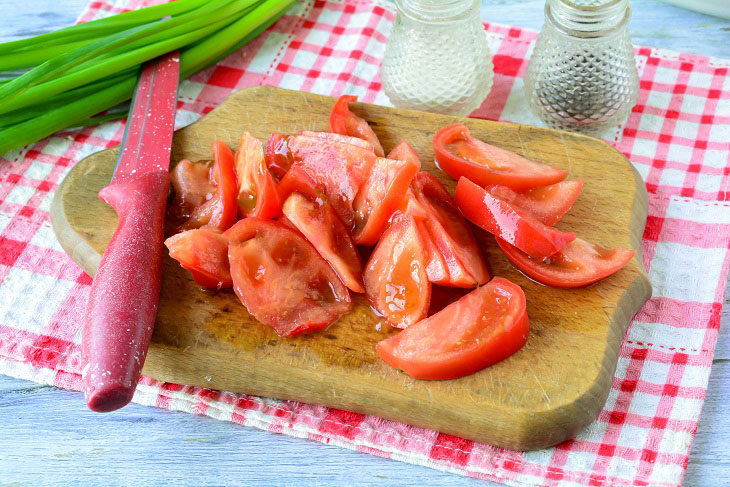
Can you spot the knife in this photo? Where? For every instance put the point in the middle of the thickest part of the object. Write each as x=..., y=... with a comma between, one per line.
x=125, y=292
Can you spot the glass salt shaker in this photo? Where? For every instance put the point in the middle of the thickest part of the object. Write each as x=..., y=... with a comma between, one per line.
x=582, y=74
x=437, y=58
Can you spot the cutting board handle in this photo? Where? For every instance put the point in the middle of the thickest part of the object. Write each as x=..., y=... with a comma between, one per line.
x=124, y=295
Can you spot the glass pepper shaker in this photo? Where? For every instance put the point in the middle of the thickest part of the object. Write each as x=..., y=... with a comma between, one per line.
x=582, y=74
x=437, y=58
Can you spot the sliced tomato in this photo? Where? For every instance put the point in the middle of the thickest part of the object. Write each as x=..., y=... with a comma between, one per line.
x=203, y=252
x=460, y=154
x=257, y=194
x=343, y=121
x=435, y=265
x=278, y=158
x=220, y=210
x=192, y=186
x=282, y=280
x=298, y=181
x=505, y=221
x=482, y=328
x=547, y=203
x=579, y=264
x=395, y=277
x=340, y=168
x=321, y=226
x=450, y=234
x=404, y=152
x=382, y=194
x=335, y=137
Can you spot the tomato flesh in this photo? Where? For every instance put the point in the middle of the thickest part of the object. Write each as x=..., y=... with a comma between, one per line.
x=508, y=223
x=480, y=329
x=257, y=194
x=340, y=168
x=282, y=280
x=547, y=203
x=343, y=121
x=382, y=194
x=579, y=264
x=277, y=156
x=321, y=226
x=395, y=276
x=459, y=154
x=192, y=187
x=450, y=235
x=203, y=252
x=404, y=152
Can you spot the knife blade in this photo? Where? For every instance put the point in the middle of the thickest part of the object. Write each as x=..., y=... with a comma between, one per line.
x=124, y=295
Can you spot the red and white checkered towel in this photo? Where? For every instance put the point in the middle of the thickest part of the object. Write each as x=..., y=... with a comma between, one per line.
x=677, y=137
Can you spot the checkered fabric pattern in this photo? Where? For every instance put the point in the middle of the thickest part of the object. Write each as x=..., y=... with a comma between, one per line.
x=676, y=137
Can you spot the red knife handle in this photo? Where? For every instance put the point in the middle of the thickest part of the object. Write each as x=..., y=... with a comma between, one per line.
x=124, y=295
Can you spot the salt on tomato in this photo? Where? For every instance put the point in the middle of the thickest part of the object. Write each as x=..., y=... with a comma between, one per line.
x=547, y=203
x=506, y=222
x=257, y=194
x=450, y=234
x=395, y=277
x=203, y=252
x=382, y=194
x=343, y=121
x=220, y=209
x=578, y=264
x=282, y=280
x=339, y=168
x=480, y=329
x=321, y=226
x=459, y=154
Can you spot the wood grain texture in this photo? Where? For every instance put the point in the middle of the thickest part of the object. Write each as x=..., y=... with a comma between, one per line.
x=149, y=446
x=544, y=394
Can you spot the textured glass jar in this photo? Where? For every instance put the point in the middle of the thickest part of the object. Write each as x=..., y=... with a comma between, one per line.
x=582, y=74
x=437, y=58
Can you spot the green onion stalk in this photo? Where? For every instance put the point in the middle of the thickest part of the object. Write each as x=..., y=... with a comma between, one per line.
x=95, y=66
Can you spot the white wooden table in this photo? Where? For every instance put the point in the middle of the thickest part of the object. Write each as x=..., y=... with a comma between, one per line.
x=48, y=437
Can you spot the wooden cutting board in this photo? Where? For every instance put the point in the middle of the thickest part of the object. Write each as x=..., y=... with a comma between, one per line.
x=544, y=394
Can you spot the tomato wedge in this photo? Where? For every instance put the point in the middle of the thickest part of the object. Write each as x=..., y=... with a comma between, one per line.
x=480, y=329
x=277, y=156
x=404, y=152
x=450, y=234
x=256, y=189
x=220, y=209
x=382, y=194
x=459, y=154
x=192, y=186
x=547, y=203
x=282, y=280
x=395, y=276
x=505, y=221
x=343, y=121
x=579, y=264
x=321, y=226
x=203, y=252
x=340, y=168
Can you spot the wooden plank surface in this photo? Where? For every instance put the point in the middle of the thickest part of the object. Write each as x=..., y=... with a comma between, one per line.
x=544, y=394
x=140, y=445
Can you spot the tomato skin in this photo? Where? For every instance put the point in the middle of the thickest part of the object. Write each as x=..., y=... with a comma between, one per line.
x=450, y=234
x=480, y=329
x=321, y=226
x=459, y=154
x=382, y=195
x=257, y=194
x=338, y=167
x=501, y=219
x=282, y=280
x=224, y=214
x=343, y=121
x=203, y=252
x=546, y=203
x=579, y=264
x=395, y=277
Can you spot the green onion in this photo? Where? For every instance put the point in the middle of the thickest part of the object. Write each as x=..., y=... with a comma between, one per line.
x=68, y=92
x=89, y=68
